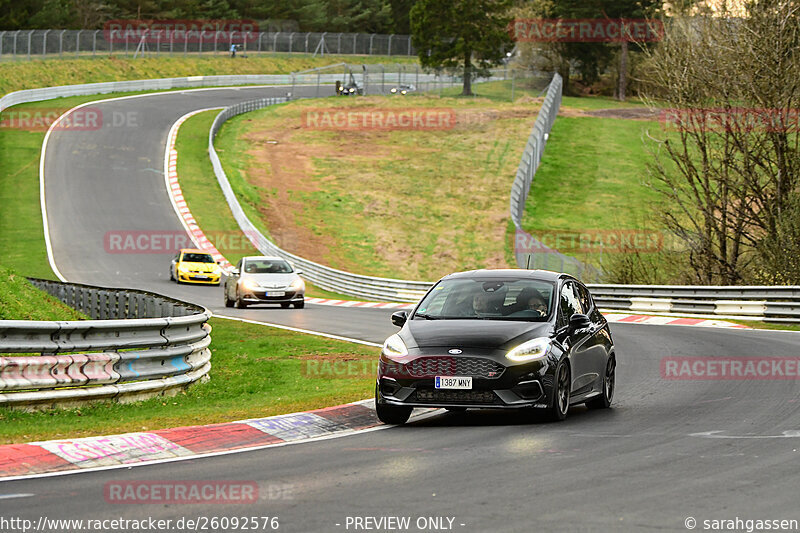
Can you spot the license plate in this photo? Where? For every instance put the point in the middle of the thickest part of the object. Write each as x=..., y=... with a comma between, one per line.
x=201, y=277
x=454, y=382
x=276, y=293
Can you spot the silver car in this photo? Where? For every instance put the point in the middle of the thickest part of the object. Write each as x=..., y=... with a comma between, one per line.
x=264, y=279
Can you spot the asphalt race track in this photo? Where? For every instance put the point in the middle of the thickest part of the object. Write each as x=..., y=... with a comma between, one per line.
x=667, y=451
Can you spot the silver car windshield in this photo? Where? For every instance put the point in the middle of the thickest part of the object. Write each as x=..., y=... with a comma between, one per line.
x=516, y=299
x=266, y=266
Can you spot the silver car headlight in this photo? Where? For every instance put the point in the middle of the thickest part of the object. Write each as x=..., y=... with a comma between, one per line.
x=530, y=350
x=250, y=285
x=394, y=347
x=298, y=285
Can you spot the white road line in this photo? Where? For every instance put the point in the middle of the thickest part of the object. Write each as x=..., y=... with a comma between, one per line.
x=14, y=496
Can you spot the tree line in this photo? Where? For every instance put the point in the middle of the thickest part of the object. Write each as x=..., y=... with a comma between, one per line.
x=354, y=16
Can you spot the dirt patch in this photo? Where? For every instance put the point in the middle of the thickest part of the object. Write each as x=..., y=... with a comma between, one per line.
x=625, y=113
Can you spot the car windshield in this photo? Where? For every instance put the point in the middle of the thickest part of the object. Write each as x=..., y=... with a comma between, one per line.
x=197, y=258
x=267, y=266
x=506, y=299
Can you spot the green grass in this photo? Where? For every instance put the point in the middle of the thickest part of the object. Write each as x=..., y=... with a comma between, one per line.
x=256, y=372
x=19, y=300
x=407, y=204
x=593, y=176
x=15, y=76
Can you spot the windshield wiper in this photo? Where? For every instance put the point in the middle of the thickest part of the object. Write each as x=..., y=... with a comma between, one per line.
x=426, y=317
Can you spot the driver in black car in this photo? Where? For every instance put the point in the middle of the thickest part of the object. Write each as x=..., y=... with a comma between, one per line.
x=529, y=300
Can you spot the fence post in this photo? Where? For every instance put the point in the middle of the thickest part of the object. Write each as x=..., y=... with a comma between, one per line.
x=355, y=42
x=260, y=36
x=371, y=37
x=275, y=42
x=126, y=44
x=339, y=44
x=291, y=38
x=158, y=44
x=15, y=43
x=94, y=42
x=185, y=43
x=318, y=80
x=383, y=79
x=30, y=36
x=44, y=43
x=61, y=43
x=2, y=34
x=307, y=34
x=201, y=44
x=409, y=45
x=389, y=50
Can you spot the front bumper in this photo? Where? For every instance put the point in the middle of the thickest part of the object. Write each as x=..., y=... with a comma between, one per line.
x=260, y=296
x=516, y=386
x=204, y=278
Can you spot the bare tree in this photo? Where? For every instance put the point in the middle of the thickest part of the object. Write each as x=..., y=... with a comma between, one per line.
x=727, y=161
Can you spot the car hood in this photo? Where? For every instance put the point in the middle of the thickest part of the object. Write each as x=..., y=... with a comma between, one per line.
x=489, y=334
x=201, y=267
x=271, y=281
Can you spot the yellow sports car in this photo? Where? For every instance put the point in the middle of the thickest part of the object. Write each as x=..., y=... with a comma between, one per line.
x=194, y=266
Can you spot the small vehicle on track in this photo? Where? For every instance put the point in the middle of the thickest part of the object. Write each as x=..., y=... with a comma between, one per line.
x=264, y=280
x=402, y=89
x=498, y=339
x=191, y=265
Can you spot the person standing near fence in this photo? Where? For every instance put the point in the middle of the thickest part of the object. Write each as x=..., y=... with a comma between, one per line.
x=233, y=50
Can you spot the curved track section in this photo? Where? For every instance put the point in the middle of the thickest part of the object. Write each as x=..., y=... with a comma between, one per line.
x=669, y=450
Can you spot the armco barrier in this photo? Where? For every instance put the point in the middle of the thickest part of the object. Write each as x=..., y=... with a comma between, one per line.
x=770, y=304
x=140, y=344
x=322, y=276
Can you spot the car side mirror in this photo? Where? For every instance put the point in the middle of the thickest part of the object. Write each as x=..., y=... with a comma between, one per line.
x=235, y=272
x=399, y=318
x=579, y=321
x=298, y=272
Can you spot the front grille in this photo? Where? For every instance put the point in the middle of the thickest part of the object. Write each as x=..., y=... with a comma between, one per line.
x=455, y=366
x=453, y=396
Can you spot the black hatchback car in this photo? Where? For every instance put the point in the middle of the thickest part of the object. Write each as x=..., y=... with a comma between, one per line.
x=498, y=339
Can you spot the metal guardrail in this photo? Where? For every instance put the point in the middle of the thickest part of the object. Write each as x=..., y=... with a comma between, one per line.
x=770, y=304
x=324, y=277
x=38, y=44
x=161, y=345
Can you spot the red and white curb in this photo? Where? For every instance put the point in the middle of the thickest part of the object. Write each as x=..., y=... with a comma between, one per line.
x=176, y=195
x=670, y=321
x=132, y=449
x=352, y=303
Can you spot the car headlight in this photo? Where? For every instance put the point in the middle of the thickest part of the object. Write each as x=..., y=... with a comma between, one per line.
x=394, y=90
x=183, y=268
x=530, y=350
x=298, y=285
x=394, y=347
x=250, y=285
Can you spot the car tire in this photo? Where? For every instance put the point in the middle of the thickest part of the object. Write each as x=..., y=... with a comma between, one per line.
x=391, y=414
x=240, y=304
x=604, y=400
x=561, y=392
x=228, y=301
x=285, y=306
x=299, y=305
x=171, y=276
